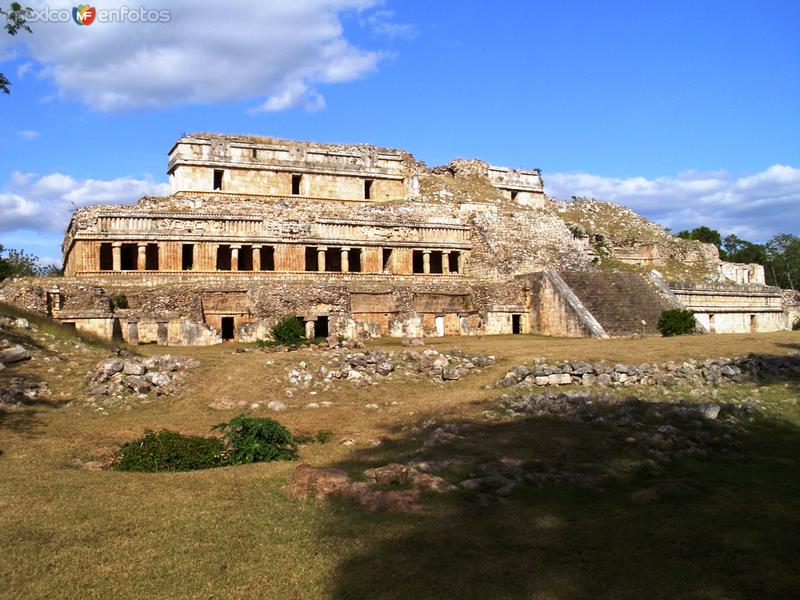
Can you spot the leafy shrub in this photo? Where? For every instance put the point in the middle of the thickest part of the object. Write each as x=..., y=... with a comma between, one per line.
x=252, y=439
x=289, y=331
x=169, y=451
x=324, y=436
x=676, y=321
x=796, y=326
x=119, y=301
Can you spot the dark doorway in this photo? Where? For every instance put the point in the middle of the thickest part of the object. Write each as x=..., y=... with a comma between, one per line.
x=267, y=258
x=218, y=173
x=417, y=262
x=246, y=258
x=311, y=259
x=516, y=324
x=227, y=328
x=151, y=257
x=367, y=189
x=453, y=264
x=128, y=257
x=106, y=257
x=387, y=259
x=224, y=258
x=116, y=330
x=187, y=257
x=333, y=260
x=70, y=325
x=436, y=262
x=296, y=180
x=355, y=260
x=321, y=327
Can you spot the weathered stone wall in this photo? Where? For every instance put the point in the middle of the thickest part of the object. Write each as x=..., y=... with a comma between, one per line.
x=732, y=309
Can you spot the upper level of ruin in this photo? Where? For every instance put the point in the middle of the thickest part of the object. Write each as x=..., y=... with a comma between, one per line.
x=206, y=163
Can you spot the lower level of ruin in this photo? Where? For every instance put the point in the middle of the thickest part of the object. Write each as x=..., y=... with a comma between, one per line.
x=164, y=309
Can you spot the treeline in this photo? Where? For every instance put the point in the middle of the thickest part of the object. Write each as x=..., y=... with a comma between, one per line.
x=780, y=256
x=18, y=262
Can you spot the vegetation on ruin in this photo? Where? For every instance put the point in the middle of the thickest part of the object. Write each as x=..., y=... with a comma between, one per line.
x=253, y=439
x=780, y=256
x=288, y=331
x=169, y=451
x=719, y=528
x=244, y=440
x=16, y=20
x=20, y=263
x=119, y=301
x=677, y=321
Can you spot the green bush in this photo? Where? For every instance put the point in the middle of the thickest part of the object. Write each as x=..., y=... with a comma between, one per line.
x=119, y=301
x=289, y=331
x=796, y=326
x=252, y=439
x=676, y=321
x=170, y=451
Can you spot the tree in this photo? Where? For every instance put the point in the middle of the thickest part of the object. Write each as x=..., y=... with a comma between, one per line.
x=18, y=262
x=16, y=21
x=783, y=258
x=702, y=234
x=735, y=249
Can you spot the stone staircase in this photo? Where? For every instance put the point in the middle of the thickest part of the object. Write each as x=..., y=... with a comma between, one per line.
x=619, y=301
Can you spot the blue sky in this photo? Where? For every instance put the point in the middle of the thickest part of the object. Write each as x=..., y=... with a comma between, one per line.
x=686, y=112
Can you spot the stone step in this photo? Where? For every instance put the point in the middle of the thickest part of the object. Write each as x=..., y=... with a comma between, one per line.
x=619, y=301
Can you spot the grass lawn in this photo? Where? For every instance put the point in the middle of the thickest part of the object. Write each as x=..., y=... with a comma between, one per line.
x=725, y=527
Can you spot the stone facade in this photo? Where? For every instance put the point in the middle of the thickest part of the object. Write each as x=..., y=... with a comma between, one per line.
x=354, y=240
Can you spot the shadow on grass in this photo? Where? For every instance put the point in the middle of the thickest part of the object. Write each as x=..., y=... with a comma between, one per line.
x=724, y=527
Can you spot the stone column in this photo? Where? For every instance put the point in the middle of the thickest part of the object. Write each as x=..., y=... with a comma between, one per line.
x=321, y=258
x=310, y=329
x=461, y=262
x=133, y=331
x=256, y=257
x=446, y=262
x=141, y=256
x=162, y=332
x=235, y=256
x=116, y=253
x=345, y=260
x=426, y=262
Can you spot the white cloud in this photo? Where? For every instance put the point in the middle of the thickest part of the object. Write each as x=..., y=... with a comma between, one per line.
x=754, y=207
x=382, y=23
x=44, y=203
x=275, y=53
x=28, y=134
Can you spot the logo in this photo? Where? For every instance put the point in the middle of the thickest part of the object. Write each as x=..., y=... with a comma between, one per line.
x=83, y=14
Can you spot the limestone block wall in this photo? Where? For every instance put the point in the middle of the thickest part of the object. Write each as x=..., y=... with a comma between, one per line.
x=732, y=309
x=743, y=274
x=555, y=310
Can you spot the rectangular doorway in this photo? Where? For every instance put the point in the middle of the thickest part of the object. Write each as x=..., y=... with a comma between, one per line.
x=321, y=327
x=516, y=324
x=227, y=328
x=439, y=325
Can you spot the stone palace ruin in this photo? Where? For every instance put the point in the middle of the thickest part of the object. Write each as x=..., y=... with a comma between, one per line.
x=362, y=241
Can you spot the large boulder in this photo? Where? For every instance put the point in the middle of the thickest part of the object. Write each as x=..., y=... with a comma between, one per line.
x=14, y=354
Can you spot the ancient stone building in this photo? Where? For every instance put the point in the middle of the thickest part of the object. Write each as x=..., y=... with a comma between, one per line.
x=361, y=241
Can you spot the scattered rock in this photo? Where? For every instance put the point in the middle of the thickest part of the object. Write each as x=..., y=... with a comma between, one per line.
x=276, y=405
x=14, y=354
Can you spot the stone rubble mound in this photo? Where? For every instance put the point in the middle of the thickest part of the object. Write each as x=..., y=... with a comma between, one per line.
x=118, y=377
x=12, y=353
x=711, y=372
x=392, y=487
x=16, y=392
x=662, y=430
x=366, y=368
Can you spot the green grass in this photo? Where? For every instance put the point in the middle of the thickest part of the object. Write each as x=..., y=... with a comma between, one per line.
x=721, y=529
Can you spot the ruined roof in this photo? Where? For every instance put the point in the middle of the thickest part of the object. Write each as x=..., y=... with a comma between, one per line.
x=264, y=140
